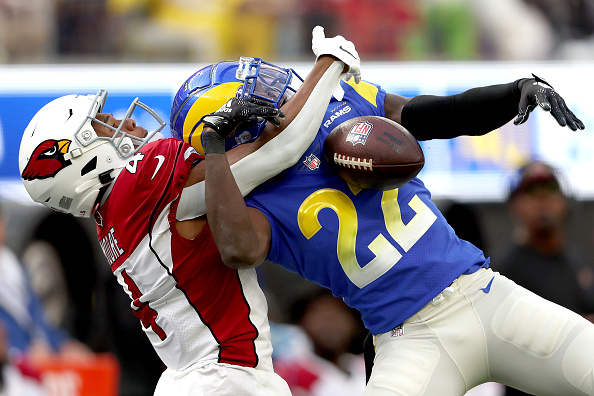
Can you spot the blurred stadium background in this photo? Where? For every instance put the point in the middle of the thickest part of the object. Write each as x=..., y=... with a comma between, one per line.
x=147, y=48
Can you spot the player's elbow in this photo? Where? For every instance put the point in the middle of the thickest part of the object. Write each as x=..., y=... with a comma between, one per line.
x=240, y=258
x=290, y=156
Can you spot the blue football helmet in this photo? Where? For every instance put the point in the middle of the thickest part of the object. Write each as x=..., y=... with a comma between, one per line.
x=211, y=87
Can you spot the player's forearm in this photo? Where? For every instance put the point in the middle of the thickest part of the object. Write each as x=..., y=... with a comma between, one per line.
x=228, y=216
x=474, y=112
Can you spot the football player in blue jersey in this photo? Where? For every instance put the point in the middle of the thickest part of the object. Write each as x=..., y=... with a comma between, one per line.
x=442, y=321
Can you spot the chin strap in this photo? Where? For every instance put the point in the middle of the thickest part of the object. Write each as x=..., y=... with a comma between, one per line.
x=104, y=178
x=77, y=152
x=100, y=195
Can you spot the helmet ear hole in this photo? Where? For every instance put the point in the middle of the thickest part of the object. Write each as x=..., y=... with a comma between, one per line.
x=89, y=167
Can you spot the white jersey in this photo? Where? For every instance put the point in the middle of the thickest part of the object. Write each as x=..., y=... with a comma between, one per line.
x=193, y=308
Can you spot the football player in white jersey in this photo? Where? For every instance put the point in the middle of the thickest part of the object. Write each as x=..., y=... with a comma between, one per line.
x=208, y=323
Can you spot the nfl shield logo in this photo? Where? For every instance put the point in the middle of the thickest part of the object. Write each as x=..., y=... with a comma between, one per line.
x=398, y=331
x=312, y=162
x=359, y=133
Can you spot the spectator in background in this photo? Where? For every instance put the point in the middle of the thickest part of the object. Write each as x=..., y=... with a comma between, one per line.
x=437, y=29
x=53, y=257
x=173, y=30
x=199, y=30
x=40, y=30
x=27, y=30
x=16, y=378
x=486, y=29
x=541, y=259
x=46, y=274
x=28, y=333
x=572, y=26
x=512, y=30
x=570, y=19
x=85, y=28
x=380, y=29
x=452, y=30
x=324, y=358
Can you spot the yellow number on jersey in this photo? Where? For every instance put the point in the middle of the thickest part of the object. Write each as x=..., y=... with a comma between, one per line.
x=386, y=255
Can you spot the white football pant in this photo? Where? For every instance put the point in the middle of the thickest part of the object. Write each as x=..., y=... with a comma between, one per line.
x=483, y=328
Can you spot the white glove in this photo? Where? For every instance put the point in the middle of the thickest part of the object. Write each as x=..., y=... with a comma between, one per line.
x=338, y=47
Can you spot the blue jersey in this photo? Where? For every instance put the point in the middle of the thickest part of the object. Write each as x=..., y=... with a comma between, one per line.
x=387, y=254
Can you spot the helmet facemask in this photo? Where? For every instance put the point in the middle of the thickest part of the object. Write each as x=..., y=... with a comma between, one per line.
x=266, y=81
x=125, y=144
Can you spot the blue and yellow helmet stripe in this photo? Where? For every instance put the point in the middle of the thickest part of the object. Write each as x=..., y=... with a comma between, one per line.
x=209, y=101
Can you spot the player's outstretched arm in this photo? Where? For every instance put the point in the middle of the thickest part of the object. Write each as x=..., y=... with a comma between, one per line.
x=479, y=110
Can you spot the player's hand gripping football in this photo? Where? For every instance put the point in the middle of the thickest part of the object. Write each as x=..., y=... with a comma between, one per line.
x=237, y=112
x=338, y=47
x=538, y=92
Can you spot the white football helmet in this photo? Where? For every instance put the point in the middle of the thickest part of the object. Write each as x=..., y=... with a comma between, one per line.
x=64, y=164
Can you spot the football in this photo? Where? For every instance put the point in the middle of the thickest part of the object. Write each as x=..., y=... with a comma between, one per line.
x=372, y=152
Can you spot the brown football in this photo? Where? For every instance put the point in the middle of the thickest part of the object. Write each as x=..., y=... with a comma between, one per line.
x=374, y=152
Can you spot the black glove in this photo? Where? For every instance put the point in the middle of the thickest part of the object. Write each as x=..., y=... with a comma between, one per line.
x=537, y=92
x=236, y=112
x=241, y=112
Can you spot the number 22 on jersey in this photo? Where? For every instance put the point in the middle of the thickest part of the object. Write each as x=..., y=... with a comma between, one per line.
x=386, y=255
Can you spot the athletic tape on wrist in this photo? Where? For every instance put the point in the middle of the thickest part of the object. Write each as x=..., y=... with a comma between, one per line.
x=213, y=143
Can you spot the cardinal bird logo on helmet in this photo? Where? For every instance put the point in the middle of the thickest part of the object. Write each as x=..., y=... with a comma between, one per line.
x=47, y=160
